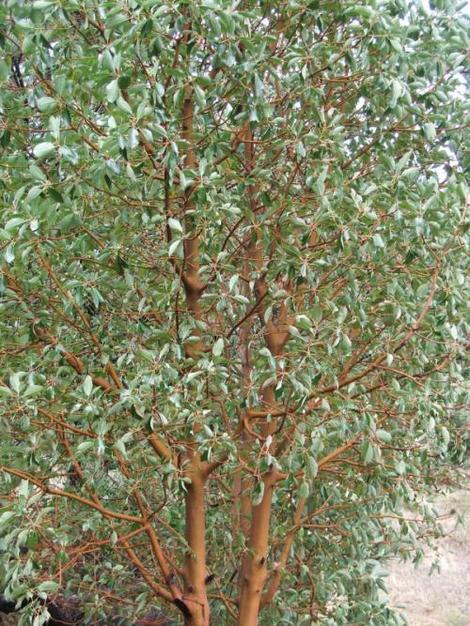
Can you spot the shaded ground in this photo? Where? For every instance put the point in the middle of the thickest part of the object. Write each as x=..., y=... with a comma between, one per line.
x=442, y=599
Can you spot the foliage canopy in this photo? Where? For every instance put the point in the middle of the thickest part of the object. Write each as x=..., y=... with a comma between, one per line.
x=233, y=255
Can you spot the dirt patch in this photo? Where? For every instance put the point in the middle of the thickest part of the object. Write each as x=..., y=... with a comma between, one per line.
x=442, y=598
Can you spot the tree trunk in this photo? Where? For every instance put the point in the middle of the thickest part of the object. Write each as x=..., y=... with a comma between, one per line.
x=199, y=619
x=254, y=569
x=195, y=596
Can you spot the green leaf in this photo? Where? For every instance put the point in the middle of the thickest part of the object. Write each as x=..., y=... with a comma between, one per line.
x=304, y=490
x=121, y=447
x=233, y=282
x=32, y=390
x=88, y=385
x=42, y=4
x=14, y=222
x=378, y=241
x=175, y=225
x=15, y=382
x=124, y=81
x=123, y=105
x=4, y=71
x=43, y=150
x=192, y=375
x=48, y=586
x=384, y=435
x=311, y=466
x=218, y=347
x=46, y=103
x=397, y=90
x=258, y=493
x=294, y=332
x=316, y=313
x=429, y=132
x=368, y=453
x=400, y=467
x=176, y=248
x=259, y=87
x=55, y=195
x=9, y=254
x=5, y=517
x=199, y=97
x=112, y=91
x=85, y=445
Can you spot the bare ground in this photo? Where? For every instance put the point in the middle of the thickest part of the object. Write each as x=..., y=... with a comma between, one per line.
x=442, y=598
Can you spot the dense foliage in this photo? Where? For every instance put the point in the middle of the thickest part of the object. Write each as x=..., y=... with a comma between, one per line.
x=232, y=301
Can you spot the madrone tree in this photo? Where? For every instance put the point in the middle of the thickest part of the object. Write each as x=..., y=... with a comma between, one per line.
x=231, y=306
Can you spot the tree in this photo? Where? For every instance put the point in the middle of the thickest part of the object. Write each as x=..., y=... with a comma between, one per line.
x=232, y=301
